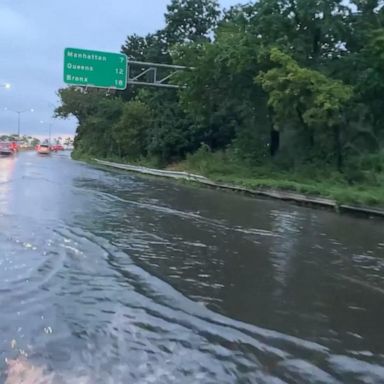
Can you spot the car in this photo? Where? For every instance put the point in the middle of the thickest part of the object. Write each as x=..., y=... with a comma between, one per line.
x=43, y=149
x=14, y=146
x=6, y=149
x=57, y=147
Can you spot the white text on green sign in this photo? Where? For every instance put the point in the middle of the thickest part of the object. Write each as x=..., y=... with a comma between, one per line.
x=95, y=68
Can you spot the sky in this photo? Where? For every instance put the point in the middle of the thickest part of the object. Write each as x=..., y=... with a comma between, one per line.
x=33, y=36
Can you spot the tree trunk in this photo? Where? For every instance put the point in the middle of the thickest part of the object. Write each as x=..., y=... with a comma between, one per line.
x=338, y=147
x=275, y=141
x=309, y=131
x=311, y=138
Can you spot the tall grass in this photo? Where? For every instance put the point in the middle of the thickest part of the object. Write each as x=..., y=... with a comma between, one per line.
x=366, y=188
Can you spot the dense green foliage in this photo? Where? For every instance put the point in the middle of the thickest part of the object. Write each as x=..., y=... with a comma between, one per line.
x=291, y=86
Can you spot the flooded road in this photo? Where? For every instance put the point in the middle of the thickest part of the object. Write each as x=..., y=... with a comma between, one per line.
x=108, y=277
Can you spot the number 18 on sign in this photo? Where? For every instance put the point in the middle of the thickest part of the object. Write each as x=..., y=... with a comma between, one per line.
x=95, y=68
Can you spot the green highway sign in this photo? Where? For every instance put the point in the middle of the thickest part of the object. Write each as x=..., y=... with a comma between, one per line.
x=95, y=68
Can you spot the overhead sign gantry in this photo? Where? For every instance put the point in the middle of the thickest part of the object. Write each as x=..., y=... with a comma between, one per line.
x=110, y=70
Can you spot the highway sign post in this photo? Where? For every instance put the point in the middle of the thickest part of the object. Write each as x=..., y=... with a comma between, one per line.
x=95, y=68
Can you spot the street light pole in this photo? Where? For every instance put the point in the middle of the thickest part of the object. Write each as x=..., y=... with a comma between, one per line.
x=19, y=117
x=18, y=123
x=50, y=124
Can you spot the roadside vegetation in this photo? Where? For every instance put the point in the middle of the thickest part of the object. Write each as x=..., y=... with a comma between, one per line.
x=25, y=140
x=283, y=94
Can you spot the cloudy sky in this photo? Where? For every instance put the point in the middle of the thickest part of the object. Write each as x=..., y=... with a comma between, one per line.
x=33, y=35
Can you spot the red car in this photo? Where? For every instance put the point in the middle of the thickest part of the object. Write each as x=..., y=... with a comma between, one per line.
x=14, y=146
x=57, y=147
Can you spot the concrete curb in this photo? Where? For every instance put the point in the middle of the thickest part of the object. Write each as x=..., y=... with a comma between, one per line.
x=270, y=193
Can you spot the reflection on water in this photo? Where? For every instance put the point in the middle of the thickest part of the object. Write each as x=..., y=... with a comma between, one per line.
x=7, y=166
x=287, y=225
x=106, y=277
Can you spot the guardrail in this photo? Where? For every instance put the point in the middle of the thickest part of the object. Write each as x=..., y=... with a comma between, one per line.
x=154, y=172
x=267, y=192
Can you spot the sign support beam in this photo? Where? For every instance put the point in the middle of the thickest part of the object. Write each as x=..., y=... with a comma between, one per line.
x=156, y=79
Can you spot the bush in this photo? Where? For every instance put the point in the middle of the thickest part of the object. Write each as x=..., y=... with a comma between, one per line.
x=373, y=162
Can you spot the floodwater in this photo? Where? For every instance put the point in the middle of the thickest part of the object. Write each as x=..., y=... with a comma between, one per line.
x=110, y=277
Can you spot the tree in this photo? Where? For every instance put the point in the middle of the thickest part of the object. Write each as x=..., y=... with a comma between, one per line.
x=227, y=107
x=34, y=142
x=306, y=97
x=311, y=31
x=95, y=113
x=151, y=48
x=130, y=132
x=68, y=141
x=169, y=137
x=191, y=20
x=78, y=102
x=317, y=97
